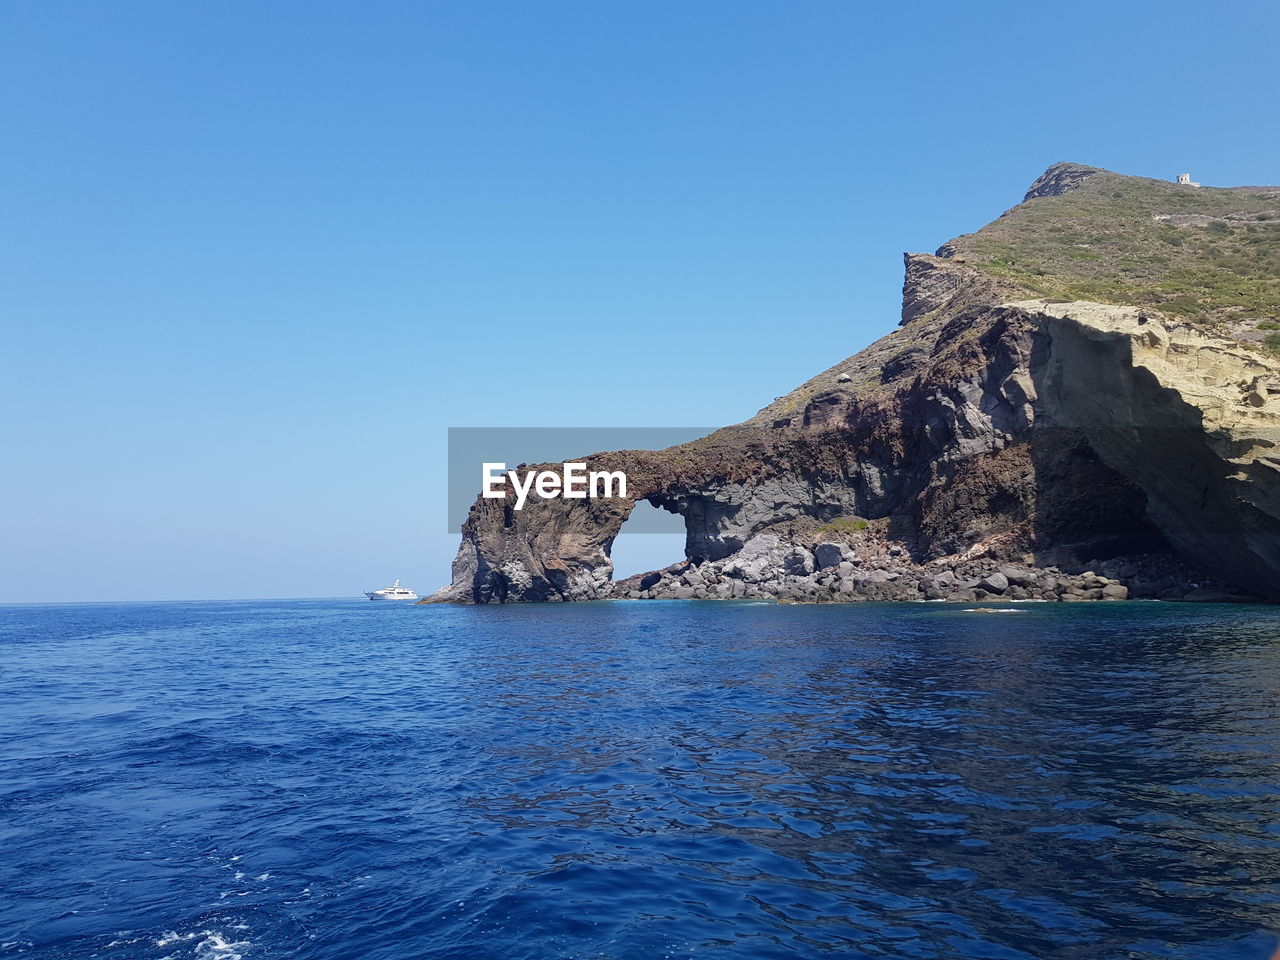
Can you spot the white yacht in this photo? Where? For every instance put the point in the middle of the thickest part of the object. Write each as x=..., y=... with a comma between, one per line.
x=393, y=592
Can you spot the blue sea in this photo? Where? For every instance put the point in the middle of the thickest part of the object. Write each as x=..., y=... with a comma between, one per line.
x=337, y=779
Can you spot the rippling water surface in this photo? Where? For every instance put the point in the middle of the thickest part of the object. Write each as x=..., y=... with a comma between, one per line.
x=342, y=779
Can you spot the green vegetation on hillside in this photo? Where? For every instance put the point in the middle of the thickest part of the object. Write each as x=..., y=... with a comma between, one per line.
x=843, y=525
x=1216, y=259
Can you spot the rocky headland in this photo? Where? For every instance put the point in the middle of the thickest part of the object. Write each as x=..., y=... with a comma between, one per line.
x=1081, y=401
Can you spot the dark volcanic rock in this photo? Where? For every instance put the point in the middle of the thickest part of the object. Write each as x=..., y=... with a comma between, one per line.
x=1058, y=179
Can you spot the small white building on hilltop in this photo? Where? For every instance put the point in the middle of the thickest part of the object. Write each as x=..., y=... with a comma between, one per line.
x=1185, y=178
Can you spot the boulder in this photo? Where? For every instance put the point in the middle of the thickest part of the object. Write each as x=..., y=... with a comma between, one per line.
x=995, y=583
x=759, y=559
x=829, y=554
x=1016, y=575
x=798, y=562
x=876, y=576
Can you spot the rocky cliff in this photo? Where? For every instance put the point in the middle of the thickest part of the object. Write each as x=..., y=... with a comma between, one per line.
x=1009, y=438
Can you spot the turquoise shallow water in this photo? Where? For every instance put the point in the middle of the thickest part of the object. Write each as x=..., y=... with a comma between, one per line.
x=341, y=779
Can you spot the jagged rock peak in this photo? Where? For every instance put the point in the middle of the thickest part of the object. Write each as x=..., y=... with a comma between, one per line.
x=935, y=283
x=1060, y=178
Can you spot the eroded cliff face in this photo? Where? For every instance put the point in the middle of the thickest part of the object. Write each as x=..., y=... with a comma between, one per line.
x=988, y=427
x=1191, y=418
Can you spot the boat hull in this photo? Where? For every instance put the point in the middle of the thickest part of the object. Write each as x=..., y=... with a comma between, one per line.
x=377, y=595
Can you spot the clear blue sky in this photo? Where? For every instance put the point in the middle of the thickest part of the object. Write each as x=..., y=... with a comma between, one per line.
x=257, y=257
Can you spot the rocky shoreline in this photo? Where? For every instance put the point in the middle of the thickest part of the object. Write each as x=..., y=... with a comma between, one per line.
x=768, y=567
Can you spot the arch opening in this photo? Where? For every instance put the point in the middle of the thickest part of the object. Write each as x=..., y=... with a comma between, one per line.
x=649, y=539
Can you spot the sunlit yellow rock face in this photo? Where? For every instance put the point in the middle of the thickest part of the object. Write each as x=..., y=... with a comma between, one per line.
x=1191, y=417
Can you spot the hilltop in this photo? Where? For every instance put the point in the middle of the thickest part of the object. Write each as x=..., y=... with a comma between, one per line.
x=1206, y=254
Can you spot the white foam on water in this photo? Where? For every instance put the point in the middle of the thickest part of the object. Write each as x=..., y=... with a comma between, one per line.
x=169, y=938
x=261, y=876
x=990, y=610
x=216, y=947
x=209, y=944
